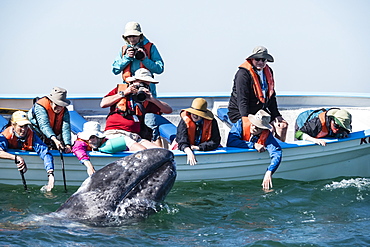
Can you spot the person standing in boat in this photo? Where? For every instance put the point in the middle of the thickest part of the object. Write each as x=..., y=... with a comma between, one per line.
x=334, y=123
x=129, y=102
x=50, y=119
x=254, y=89
x=18, y=135
x=254, y=132
x=197, y=130
x=92, y=139
x=139, y=52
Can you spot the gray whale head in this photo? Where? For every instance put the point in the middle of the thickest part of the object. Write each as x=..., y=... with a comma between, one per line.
x=130, y=187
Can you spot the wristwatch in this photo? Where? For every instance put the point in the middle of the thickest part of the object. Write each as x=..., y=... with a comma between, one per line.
x=122, y=93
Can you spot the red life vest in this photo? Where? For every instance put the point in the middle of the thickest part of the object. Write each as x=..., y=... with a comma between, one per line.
x=122, y=107
x=247, y=132
x=55, y=120
x=13, y=139
x=324, y=129
x=191, y=126
x=256, y=81
x=127, y=70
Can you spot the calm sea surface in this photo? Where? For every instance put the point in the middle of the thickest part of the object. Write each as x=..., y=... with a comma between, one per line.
x=320, y=213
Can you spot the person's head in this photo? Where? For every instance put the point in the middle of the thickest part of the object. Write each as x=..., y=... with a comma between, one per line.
x=198, y=110
x=20, y=123
x=340, y=122
x=142, y=75
x=92, y=134
x=58, y=98
x=260, y=57
x=133, y=33
x=259, y=122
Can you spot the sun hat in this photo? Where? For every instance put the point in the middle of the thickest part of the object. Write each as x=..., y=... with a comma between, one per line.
x=261, y=52
x=199, y=108
x=20, y=118
x=341, y=117
x=261, y=119
x=59, y=96
x=132, y=28
x=91, y=128
x=142, y=74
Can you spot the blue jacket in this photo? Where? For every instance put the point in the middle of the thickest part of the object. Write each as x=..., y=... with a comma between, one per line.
x=154, y=64
x=38, y=146
x=40, y=123
x=235, y=139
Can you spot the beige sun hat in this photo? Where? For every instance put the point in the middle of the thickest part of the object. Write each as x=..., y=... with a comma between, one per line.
x=132, y=28
x=59, y=96
x=142, y=74
x=20, y=118
x=199, y=108
x=341, y=117
x=91, y=128
x=261, y=52
x=261, y=119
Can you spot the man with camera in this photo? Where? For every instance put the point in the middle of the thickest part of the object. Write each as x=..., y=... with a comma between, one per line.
x=129, y=102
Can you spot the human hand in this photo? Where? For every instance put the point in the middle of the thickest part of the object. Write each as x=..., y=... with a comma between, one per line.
x=130, y=52
x=190, y=156
x=259, y=147
x=196, y=148
x=21, y=164
x=267, y=181
x=50, y=185
x=68, y=149
x=319, y=142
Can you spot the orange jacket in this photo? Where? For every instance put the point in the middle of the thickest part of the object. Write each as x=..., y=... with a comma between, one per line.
x=122, y=107
x=247, y=132
x=324, y=129
x=13, y=139
x=55, y=120
x=191, y=126
x=256, y=81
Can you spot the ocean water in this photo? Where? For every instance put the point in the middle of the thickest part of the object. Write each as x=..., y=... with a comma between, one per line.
x=333, y=212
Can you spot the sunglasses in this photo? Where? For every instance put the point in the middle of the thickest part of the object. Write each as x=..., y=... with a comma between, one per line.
x=260, y=59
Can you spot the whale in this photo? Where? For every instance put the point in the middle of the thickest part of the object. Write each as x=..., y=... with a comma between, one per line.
x=131, y=187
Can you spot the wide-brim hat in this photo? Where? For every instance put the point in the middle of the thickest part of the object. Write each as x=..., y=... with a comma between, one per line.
x=132, y=28
x=20, y=118
x=90, y=128
x=199, y=108
x=261, y=119
x=142, y=74
x=261, y=52
x=341, y=117
x=59, y=96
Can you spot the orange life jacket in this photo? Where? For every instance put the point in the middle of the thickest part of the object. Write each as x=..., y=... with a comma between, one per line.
x=256, y=81
x=122, y=107
x=191, y=126
x=13, y=139
x=324, y=129
x=247, y=132
x=127, y=70
x=55, y=120
x=88, y=148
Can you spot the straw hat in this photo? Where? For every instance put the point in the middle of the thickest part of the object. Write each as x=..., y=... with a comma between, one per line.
x=142, y=74
x=261, y=52
x=91, y=128
x=341, y=117
x=199, y=108
x=59, y=96
x=132, y=28
x=261, y=119
x=20, y=118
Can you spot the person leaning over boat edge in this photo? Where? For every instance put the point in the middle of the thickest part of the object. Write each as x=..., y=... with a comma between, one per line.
x=127, y=111
x=253, y=132
x=92, y=139
x=139, y=52
x=50, y=120
x=332, y=123
x=18, y=135
x=254, y=89
x=197, y=130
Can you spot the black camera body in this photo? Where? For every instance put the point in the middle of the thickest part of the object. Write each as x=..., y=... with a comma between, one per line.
x=139, y=55
x=140, y=96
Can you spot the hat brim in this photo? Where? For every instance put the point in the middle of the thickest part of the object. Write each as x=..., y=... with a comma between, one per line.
x=59, y=102
x=23, y=122
x=132, y=33
x=87, y=134
x=257, y=123
x=207, y=115
x=267, y=56
x=337, y=121
x=147, y=79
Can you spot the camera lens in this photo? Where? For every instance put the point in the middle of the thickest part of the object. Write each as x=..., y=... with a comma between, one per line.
x=139, y=55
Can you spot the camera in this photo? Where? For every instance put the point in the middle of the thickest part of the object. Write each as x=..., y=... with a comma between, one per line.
x=140, y=96
x=138, y=54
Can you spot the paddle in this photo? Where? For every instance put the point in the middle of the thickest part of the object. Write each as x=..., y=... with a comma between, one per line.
x=22, y=175
x=63, y=171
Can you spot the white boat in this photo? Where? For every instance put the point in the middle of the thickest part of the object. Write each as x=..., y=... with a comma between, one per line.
x=301, y=160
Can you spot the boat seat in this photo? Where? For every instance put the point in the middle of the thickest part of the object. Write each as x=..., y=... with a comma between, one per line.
x=222, y=115
x=167, y=129
x=77, y=122
x=3, y=122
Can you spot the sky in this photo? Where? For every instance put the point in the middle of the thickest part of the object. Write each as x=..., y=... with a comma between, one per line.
x=318, y=46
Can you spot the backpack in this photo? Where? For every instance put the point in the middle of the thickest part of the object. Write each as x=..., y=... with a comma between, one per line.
x=307, y=115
